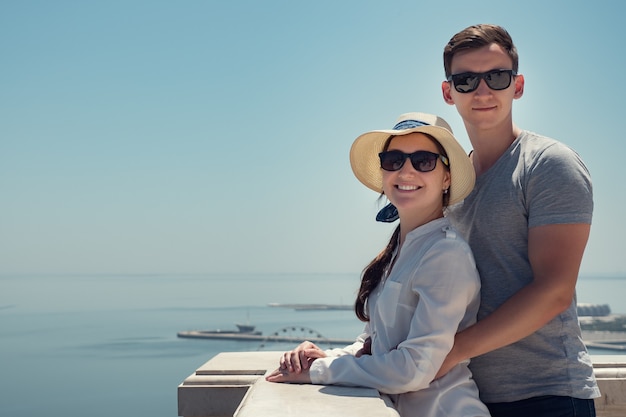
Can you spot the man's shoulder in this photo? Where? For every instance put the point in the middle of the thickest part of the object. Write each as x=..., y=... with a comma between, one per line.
x=538, y=147
x=531, y=139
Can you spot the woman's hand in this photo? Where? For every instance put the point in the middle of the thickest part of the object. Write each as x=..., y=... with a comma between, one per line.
x=300, y=358
x=366, y=349
x=283, y=375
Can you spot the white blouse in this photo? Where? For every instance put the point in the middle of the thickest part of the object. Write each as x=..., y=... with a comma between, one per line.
x=431, y=293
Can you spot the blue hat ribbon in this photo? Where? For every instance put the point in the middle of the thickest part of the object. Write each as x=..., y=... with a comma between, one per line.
x=409, y=124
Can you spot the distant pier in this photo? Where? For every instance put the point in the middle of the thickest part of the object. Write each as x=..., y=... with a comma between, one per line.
x=600, y=328
x=289, y=334
x=308, y=307
x=608, y=340
x=604, y=331
x=199, y=334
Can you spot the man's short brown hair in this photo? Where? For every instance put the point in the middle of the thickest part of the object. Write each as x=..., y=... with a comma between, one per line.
x=477, y=36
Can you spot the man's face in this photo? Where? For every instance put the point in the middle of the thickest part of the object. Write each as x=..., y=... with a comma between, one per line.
x=483, y=108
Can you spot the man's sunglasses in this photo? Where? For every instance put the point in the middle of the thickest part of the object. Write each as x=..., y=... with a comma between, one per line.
x=466, y=82
x=422, y=161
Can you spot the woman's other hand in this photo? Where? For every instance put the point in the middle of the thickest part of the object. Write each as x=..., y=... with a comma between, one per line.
x=283, y=375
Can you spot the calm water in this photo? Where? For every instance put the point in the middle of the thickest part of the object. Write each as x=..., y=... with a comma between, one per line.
x=107, y=345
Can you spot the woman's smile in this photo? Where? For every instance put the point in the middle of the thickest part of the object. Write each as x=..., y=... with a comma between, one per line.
x=407, y=187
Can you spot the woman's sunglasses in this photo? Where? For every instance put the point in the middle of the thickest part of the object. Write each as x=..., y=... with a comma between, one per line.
x=466, y=82
x=422, y=161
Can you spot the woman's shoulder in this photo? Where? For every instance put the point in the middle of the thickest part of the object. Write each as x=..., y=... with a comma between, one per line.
x=444, y=237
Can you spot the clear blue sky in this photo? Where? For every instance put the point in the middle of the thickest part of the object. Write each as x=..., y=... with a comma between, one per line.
x=213, y=136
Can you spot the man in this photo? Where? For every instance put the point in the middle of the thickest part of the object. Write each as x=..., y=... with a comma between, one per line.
x=527, y=222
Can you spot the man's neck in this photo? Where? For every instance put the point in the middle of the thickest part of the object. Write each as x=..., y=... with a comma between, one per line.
x=488, y=146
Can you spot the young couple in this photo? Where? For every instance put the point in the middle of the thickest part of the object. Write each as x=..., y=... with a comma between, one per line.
x=523, y=203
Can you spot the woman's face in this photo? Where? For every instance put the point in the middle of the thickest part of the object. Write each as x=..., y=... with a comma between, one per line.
x=411, y=191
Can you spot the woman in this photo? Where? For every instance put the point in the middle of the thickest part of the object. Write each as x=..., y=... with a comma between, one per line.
x=420, y=290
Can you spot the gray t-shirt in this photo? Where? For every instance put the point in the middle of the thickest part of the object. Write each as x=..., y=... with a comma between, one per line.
x=537, y=181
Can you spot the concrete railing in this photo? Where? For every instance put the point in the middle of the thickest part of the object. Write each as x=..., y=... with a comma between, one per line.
x=232, y=384
x=610, y=372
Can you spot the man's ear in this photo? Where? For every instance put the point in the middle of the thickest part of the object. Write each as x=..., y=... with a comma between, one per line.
x=519, y=86
x=445, y=90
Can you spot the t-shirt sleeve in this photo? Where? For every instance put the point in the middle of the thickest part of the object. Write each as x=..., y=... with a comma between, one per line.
x=559, y=189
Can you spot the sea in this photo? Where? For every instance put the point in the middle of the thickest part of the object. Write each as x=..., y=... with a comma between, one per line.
x=107, y=345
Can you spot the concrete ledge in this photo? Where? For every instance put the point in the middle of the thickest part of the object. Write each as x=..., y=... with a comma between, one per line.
x=196, y=379
x=271, y=400
x=219, y=386
x=232, y=384
x=610, y=371
x=210, y=401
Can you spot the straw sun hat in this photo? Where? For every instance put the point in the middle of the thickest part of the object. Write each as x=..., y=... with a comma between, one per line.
x=365, y=149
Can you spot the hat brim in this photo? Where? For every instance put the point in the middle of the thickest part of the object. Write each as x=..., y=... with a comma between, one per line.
x=366, y=164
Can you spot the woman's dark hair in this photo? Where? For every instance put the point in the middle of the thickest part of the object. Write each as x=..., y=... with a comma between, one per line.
x=372, y=275
x=374, y=272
